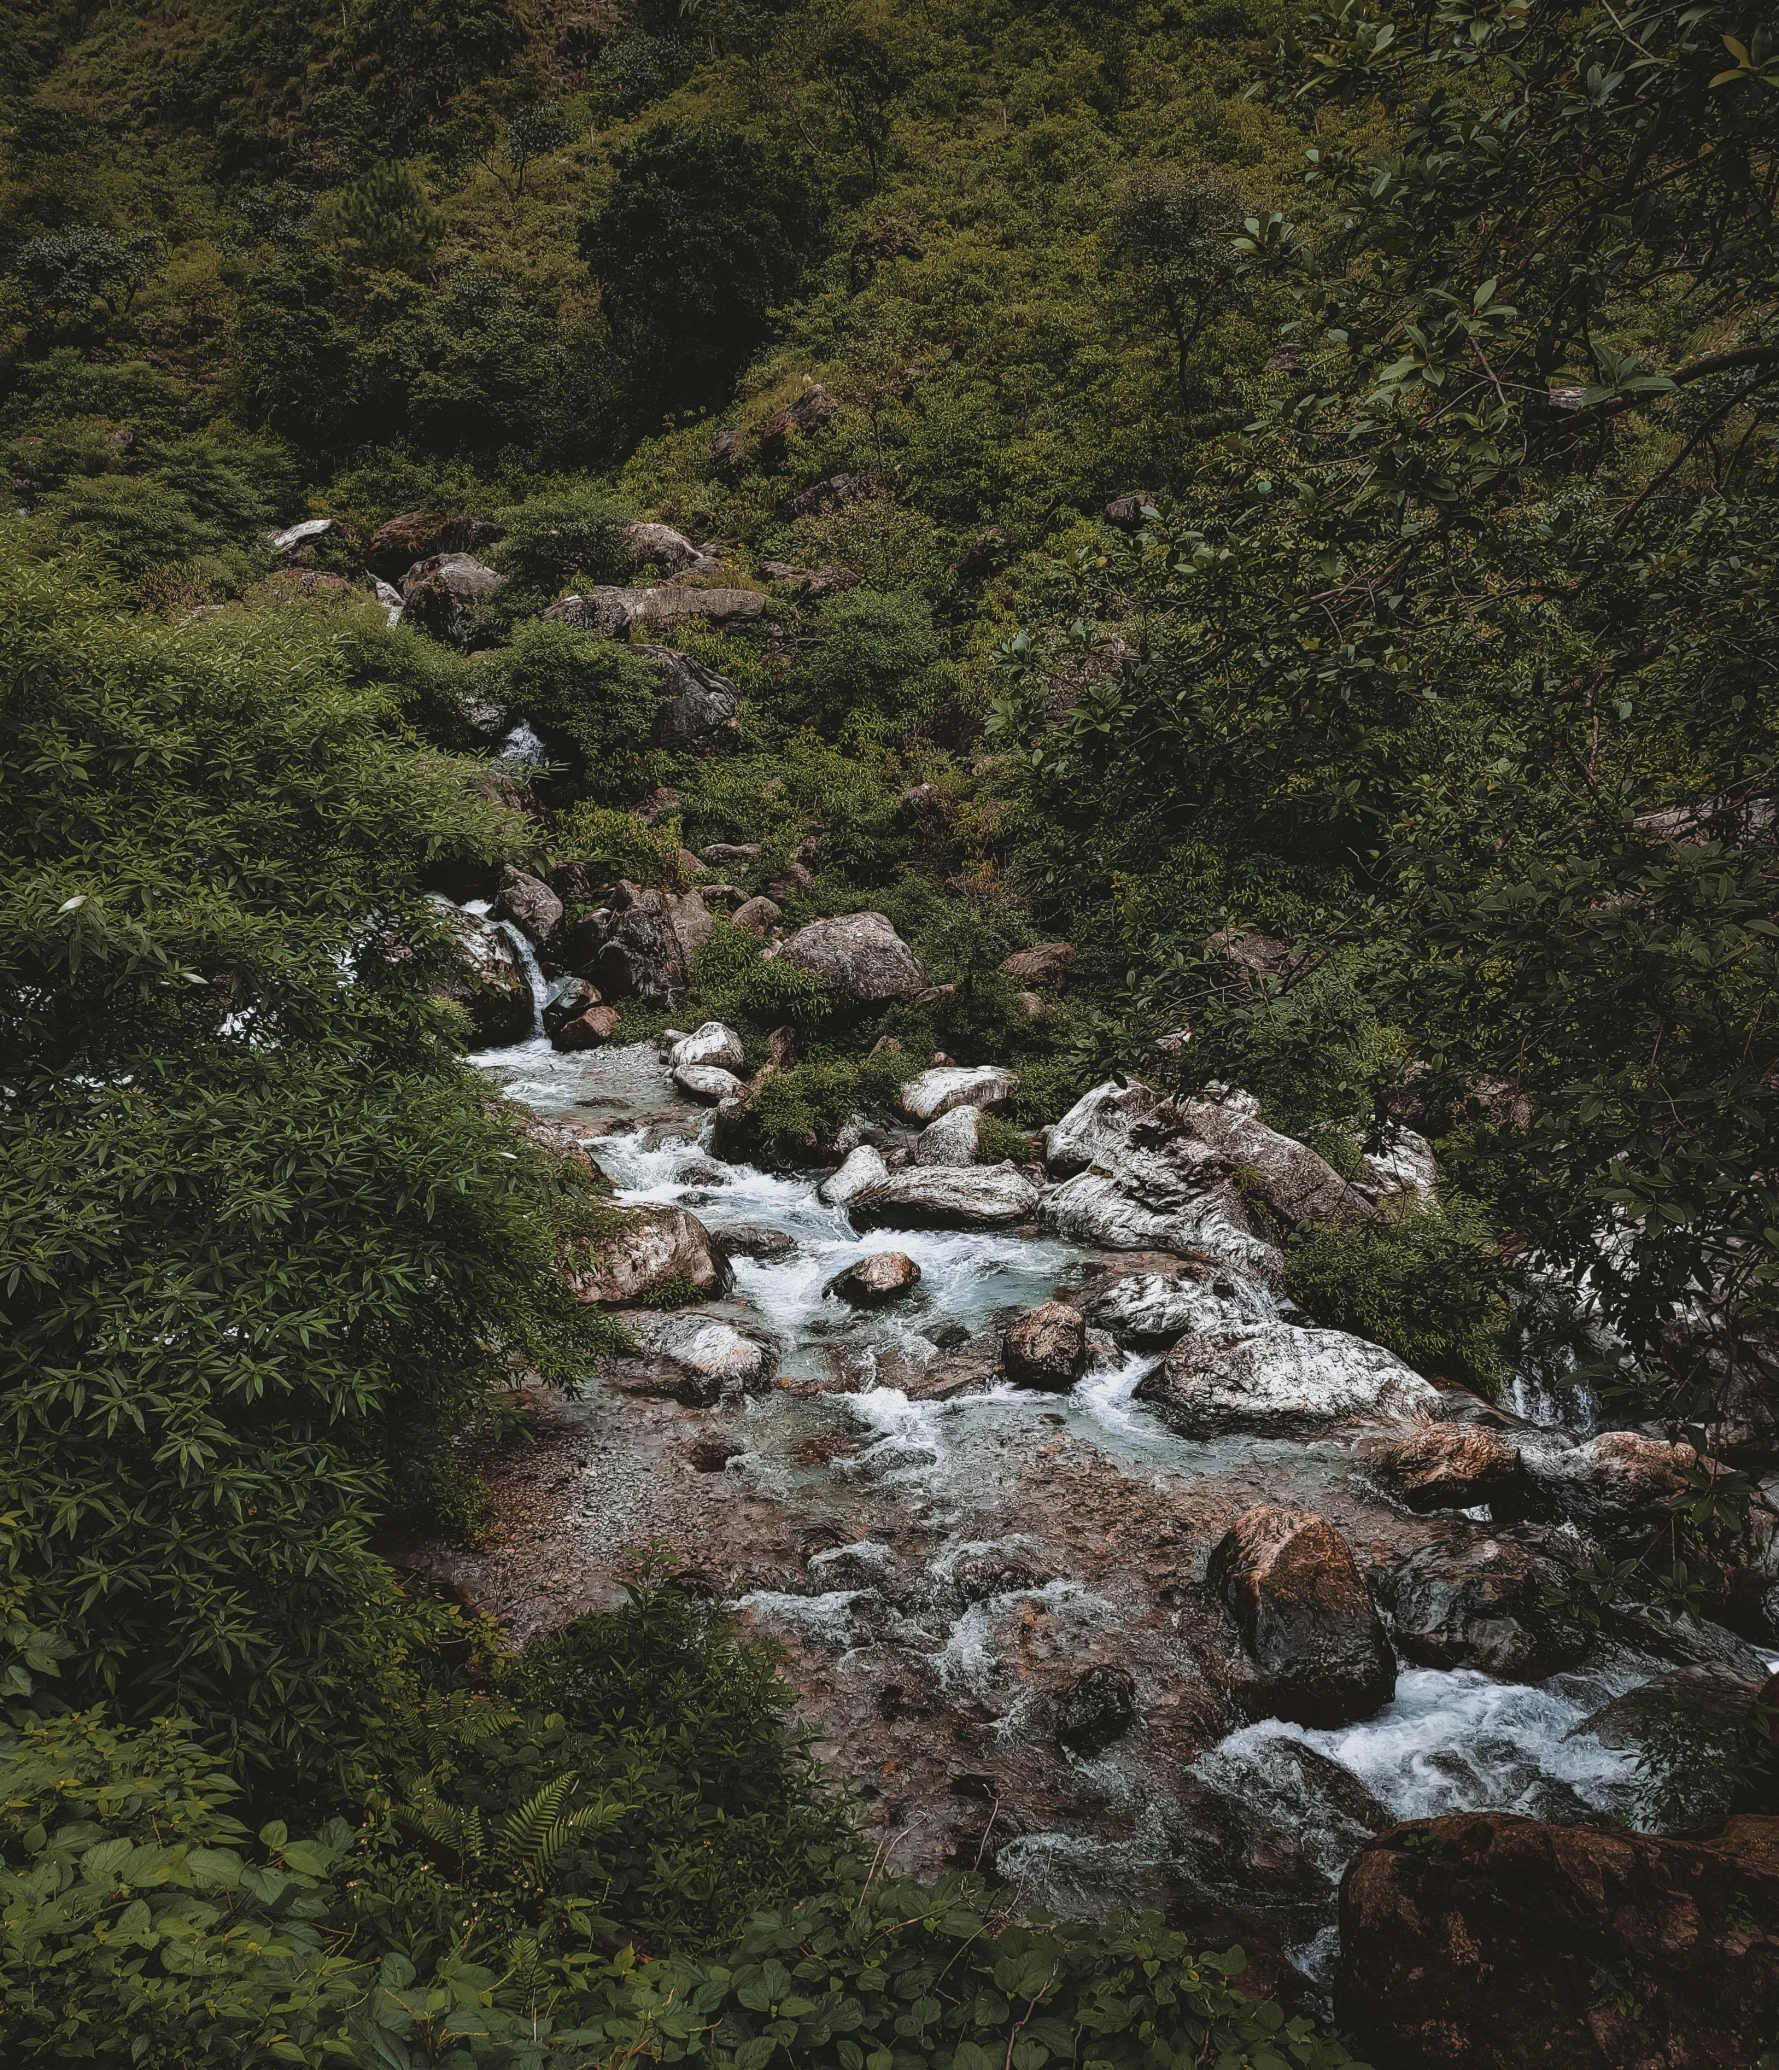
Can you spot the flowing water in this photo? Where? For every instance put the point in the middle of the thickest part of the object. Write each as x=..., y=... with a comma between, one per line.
x=930, y=1490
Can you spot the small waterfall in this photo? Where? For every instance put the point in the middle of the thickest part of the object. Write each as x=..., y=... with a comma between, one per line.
x=534, y=977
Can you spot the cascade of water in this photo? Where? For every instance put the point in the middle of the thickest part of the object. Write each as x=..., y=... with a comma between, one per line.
x=534, y=977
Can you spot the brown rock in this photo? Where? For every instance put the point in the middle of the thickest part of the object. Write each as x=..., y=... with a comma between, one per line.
x=1452, y=1466
x=1482, y=1599
x=1126, y=512
x=1046, y=965
x=1250, y=950
x=871, y=1282
x=1046, y=1347
x=654, y=1246
x=1631, y=1475
x=397, y=544
x=1289, y=1579
x=614, y=611
x=758, y=915
x=589, y=1030
x=1480, y=1940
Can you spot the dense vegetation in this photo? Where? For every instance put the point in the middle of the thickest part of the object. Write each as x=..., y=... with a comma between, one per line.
x=1433, y=353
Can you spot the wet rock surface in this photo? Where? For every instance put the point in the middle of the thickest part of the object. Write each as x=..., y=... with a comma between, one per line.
x=1479, y=1940
x=1278, y=1379
x=1046, y=1348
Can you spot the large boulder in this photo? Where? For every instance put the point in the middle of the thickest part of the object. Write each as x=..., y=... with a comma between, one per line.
x=656, y=1247
x=1297, y=1183
x=612, y=612
x=862, y=1170
x=1276, y=1379
x=660, y=546
x=709, y=1084
x=697, y=1359
x=1144, y=1308
x=592, y=1028
x=529, y=903
x=1479, y=1939
x=952, y=1139
x=1452, y=1466
x=1093, y=1208
x=486, y=979
x=1046, y=1347
x=641, y=942
x=861, y=959
x=1289, y=1579
x=1707, y=1710
x=946, y=1197
x=758, y=916
x=711, y=1044
x=440, y=594
x=1044, y=966
x=1483, y=1600
x=697, y=707
x=933, y=1093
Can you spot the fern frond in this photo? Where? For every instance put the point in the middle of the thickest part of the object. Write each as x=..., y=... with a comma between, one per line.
x=524, y=1845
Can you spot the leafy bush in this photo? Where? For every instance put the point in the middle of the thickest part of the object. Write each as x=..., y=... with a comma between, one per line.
x=590, y=701
x=872, y=666
x=559, y=534
x=622, y=844
x=1425, y=1282
x=133, y=523
x=998, y=1141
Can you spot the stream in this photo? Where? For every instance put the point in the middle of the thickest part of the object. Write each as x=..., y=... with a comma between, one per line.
x=940, y=1571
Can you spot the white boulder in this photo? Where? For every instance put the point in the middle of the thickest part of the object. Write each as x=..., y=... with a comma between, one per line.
x=937, y=1092
x=1278, y=1380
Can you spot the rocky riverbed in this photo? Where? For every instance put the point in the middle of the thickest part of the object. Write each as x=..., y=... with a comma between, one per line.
x=1183, y=1626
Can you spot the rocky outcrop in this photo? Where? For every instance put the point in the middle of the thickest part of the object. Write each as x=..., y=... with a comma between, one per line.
x=641, y=942
x=942, y=1197
x=1278, y=1380
x=863, y=1169
x=1452, y=1466
x=486, y=979
x=1046, y=1347
x=711, y=1044
x=937, y=1092
x=1295, y=1182
x=613, y=612
x=655, y=1247
x=660, y=546
x=1707, y=1708
x=1482, y=1600
x=1288, y=1578
x=875, y=1281
x=697, y=1359
x=1478, y=1940
x=861, y=959
x=697, y=708
x=530, y=904
x=1093, y=1208
x=1404, y=1166
x=952, y=1139
x=1619, y=1480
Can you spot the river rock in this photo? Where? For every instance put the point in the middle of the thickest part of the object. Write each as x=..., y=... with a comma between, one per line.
x=871, y=1282
x=568, y=997
x=1046, y=1347
x=1092, y=1208
x=861, y=959
x=613, y=612
x=864, y=1168
x=485, y=979
x=1706, y=1710
x=1297, y=1183
x=1290, y=1581
x=1279, y=1380
x=1480, y=1939
x=529, y=903
x=697, y=708
x=706, y=1357
x=1097, y=1131
x=592, y=1029
x=1452, y=1466
x=933, y=1093
x=708, y=1083
x=1480, y=1601
x=1144, y=1308
x=753, y=1240
x=306, y=532
x=654, y=1247
x=1404, y=1166
x=642, y=941
x=1044, y=966
x=1098, y=1707
x=941, y=1197
x=415, y=535
x=952, y=1139
x=711, y=1044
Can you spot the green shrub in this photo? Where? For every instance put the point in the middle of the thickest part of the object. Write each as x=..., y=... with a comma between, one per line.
x=998, y=1141
x=560, y=534
x=132, y=523
x=873, y=665
x=621, y=844
x=1425, y=1282
x=590, y=701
